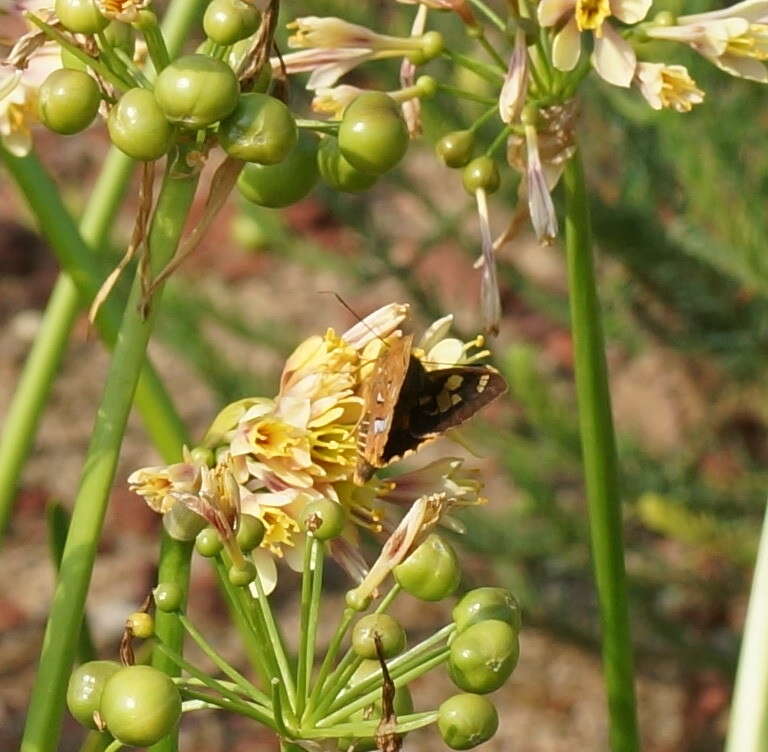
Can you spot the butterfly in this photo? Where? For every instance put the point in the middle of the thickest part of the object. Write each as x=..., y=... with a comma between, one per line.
x=406, y=405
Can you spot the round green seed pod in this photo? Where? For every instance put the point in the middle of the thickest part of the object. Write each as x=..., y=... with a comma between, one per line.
x=80, y=16
x=228, y=21
x=388, y=629
x=455, y=149
x=140, y=705
x=483, y=656
x=242, y=575
x=464, y=721
x=168, y=597
x=323, y=518
x=250, y=532
x=285, y=183
x=85, y=687
x=431, y=572
x=481, y=172
x=208, y=543
x=260, y=129
x=373, y=136
x=138, y=127
x=337, y=172
x=68, y=101
x=196, y=91
x=484, y=603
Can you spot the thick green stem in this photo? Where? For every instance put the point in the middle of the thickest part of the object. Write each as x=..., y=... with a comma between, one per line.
x=600, y=464
x=43, y=362
x=59, y=643
x=748, y=727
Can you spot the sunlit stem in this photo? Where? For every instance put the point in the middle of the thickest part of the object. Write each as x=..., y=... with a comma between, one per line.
x=366, y=729
x=404, y=662
x=498, y=142
x=243, y=684
x=256, y=712
x=454, y=91
x=490, y=14
x=484, y=118
x=330, y=655
x=400, y=678
x=600, y=463
x=277, y=709
x=313, y=575
x=488, y=72
x=275, y=640
x=748, y=723
x=211, y=683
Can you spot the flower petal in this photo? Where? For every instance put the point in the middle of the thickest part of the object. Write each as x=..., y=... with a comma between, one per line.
x=743, y=67
x=630, y=11
x=266, y=569
x=566, y=47
x=613, y=57
x=754, y=11
x=550, y=12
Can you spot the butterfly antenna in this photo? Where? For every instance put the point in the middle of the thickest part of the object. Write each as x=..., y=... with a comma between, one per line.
x=359, y=318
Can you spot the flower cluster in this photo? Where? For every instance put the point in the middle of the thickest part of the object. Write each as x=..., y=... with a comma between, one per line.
x=273, y=458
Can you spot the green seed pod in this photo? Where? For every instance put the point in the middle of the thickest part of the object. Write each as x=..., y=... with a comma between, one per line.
x=464, y=721
x=337, y=172
x=168, y=597
x=236, y=54
x=85, y=688
x=431, y=572
x=208, y=543
x=68, y=101
x=196, y=91
x=120, y=35
x=142, y=624
x=80, y=16
x=484, y=603
x=285, y=183
x=455, y=149
x=243, y=575
x=228, y=21
x=323, y=518
x=481, y=172
x=250, y=532
x=388, y=629
x=483, y=656
x=260, y=129
x=138, y=127
x=203, y=456
x=373, y=136
x=140, y=705
x=427, y=86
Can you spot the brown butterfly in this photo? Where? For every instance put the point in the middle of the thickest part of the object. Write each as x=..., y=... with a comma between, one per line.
x=405, y=405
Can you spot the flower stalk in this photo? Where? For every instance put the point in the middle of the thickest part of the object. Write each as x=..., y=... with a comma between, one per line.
x=47, y=702
x=600, y=464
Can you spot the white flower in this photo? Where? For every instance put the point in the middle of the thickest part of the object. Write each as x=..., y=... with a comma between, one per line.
x=667, y=86
x=733, y=43
x=613, y=57
x=540, y=206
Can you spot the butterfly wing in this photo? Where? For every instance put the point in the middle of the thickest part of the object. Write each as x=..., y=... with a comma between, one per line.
x=381, y=394
x=431, y=402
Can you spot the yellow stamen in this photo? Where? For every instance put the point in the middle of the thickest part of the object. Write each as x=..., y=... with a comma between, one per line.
x=590, y=14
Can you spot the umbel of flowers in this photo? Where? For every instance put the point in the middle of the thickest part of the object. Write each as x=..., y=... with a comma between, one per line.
x=274, y=479
x=85, y=59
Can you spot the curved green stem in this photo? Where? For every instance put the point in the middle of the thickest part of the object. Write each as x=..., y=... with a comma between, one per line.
x=600, y=464
x=47, y=703
x=748, y=727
